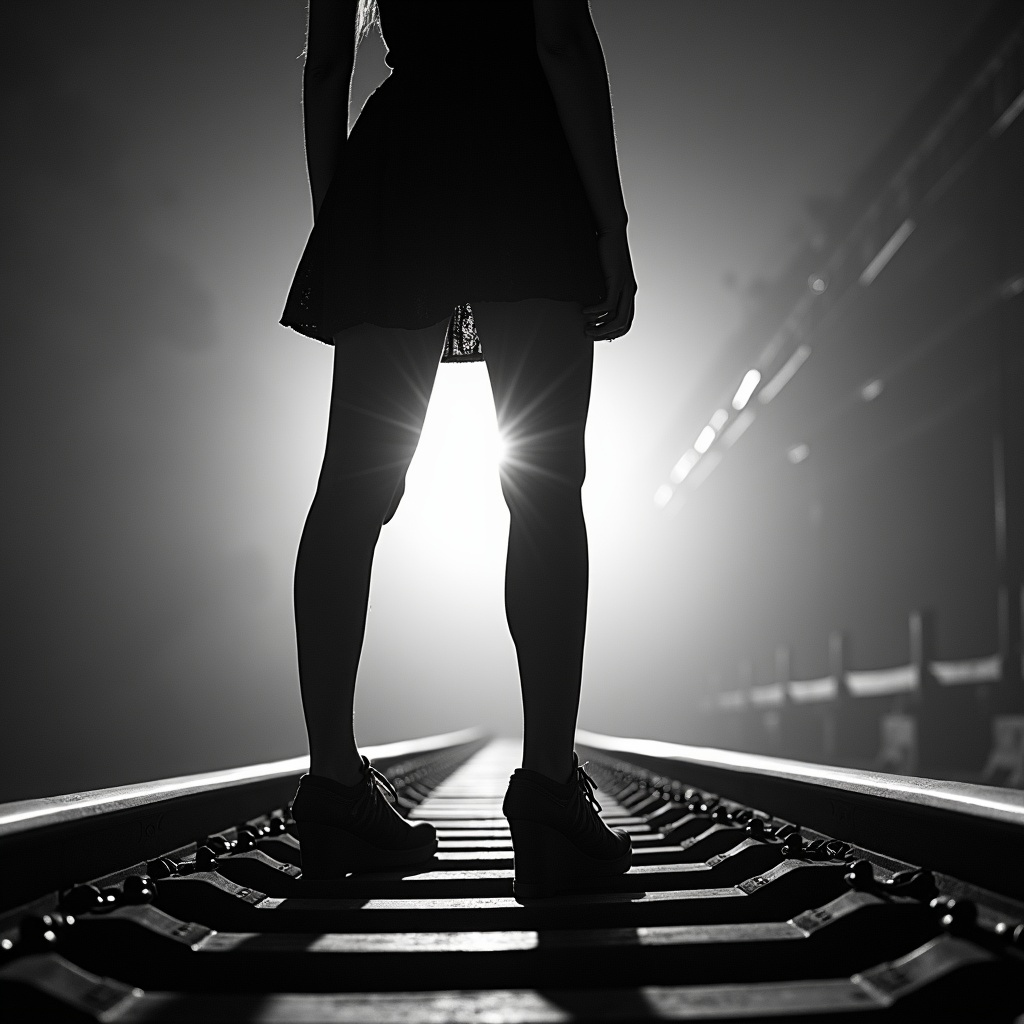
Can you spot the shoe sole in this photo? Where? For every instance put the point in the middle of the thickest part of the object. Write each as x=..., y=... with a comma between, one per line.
x=546, y=863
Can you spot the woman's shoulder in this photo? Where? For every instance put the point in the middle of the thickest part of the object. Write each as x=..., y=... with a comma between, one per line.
x=558, y=25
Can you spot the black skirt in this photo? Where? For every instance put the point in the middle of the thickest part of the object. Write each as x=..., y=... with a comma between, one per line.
x=455, y=185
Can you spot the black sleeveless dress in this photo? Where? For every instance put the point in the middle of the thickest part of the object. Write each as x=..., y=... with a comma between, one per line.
x=456, y=184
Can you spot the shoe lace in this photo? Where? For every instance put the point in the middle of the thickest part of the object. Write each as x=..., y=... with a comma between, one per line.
x=378, y=779
x=587, y=784
x=586, y=818
x=368, y=810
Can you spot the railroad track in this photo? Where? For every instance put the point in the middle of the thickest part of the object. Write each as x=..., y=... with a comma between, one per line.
x=760, y=888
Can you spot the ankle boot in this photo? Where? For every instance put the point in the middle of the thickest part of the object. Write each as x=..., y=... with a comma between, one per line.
x=559, y=842
x=354, y=828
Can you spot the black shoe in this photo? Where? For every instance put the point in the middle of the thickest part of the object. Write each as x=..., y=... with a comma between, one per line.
x=354, y=828
x=558, y=840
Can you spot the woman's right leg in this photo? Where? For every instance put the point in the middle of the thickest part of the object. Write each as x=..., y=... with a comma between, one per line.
x=382, y=383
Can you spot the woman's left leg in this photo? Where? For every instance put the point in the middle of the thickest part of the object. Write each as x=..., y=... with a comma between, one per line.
x=540, y=364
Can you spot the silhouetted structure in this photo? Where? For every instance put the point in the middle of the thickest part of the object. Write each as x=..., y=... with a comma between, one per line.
x=874, y=580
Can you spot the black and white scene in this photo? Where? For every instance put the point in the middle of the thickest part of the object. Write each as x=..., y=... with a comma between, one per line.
x=514, y=511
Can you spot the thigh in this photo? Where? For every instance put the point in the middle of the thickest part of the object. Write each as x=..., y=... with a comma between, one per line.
x=383, y=377
x=540, y=364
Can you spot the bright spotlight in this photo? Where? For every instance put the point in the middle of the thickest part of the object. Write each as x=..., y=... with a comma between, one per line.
x=718, y=420
x=456, y=467
x=750, y=381
x=704, y=439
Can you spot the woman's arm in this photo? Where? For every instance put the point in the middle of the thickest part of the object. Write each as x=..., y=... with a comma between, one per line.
x=326, y=81
x=573, y=61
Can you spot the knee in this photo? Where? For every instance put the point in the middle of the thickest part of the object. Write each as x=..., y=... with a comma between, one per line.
x=538, y=460
x=359, y=504
x=544, y=490
x=396, y=499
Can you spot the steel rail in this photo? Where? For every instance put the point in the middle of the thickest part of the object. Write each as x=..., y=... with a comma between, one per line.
x=975, y=833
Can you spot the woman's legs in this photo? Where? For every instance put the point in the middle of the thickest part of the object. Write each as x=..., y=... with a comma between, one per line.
x=382, y=383
x=540, y=365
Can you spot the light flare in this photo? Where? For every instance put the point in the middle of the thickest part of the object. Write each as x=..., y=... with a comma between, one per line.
x=750, y=381
x=704, y=439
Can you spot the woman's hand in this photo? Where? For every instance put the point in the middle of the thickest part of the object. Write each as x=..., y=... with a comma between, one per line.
x=612, y=318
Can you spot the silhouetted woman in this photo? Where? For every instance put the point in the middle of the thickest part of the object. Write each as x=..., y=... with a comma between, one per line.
x=474, y=212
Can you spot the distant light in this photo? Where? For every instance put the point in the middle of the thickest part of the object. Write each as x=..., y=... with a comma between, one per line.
x=718, y=420
x=737, y=428
x=683, y=466
x=1008, y=116
x=783, y=377
x=704, y=439
x=886, y=253
x=750, y=381
x=872, y=389
x=798, y=453
x=663, y=495
x=817, y=283
x=501, y=449
x=1012, y=288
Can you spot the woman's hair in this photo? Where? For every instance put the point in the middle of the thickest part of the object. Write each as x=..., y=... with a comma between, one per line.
x=367, y=16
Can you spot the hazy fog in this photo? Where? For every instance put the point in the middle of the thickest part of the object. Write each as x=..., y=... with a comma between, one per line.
x=162, y=433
